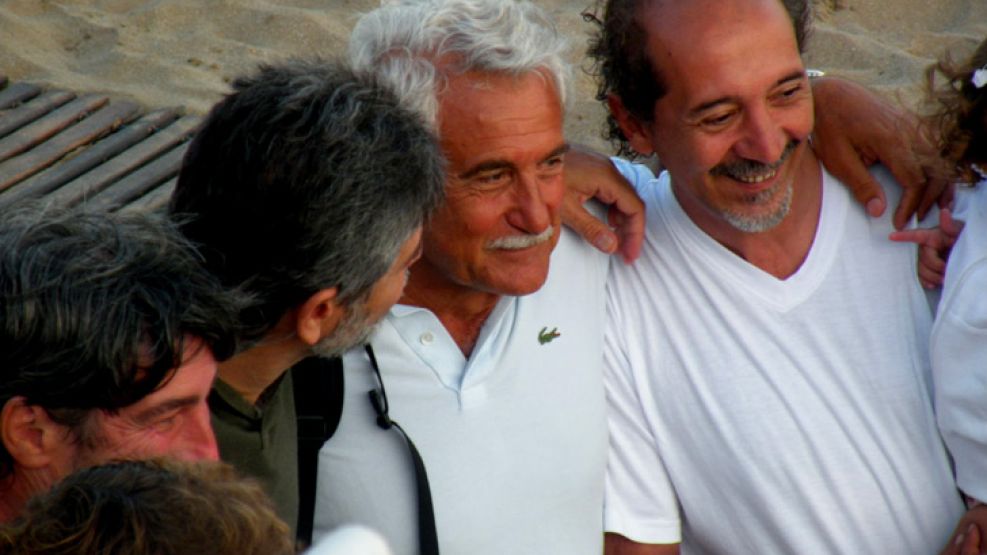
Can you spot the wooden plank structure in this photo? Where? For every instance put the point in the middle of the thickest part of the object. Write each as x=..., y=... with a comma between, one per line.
x=67, y=149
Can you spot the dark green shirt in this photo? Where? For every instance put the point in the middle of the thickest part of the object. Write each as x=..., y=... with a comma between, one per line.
x=261, y=441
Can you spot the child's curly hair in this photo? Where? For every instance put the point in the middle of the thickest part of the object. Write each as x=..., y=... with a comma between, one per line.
x=958, y=111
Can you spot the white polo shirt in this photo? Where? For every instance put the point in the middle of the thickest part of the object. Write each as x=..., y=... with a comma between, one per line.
x=514, y=439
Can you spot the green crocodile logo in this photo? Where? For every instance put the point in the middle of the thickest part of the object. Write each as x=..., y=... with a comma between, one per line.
x=545, y=336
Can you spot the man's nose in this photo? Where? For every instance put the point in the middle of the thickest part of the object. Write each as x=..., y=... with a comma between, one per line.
x=763, y=138
x=199, y=441
x=531, y=213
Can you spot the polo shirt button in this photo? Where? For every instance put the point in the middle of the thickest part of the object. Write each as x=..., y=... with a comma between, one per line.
x=427, y=338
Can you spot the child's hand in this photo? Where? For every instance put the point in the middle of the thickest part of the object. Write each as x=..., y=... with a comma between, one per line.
x=966, y=539
x=934, y=246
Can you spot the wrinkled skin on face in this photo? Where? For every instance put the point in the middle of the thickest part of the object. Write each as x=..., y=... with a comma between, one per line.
x=502, y=136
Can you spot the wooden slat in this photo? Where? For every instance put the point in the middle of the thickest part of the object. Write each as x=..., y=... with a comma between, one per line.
x=17, y=93
x=36, y=133
x=98, y=124
x=86, y=159
x=141, y=181
x=154, y=200
x=97, y=179
x=32, y=110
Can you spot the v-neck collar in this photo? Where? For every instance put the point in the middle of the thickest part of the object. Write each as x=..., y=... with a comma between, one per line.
x=782, y=294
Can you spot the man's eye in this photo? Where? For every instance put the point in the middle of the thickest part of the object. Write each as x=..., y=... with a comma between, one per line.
x=790, y=91
x=718, y=120
x=165, y=424
x=554, y=162
x=492, y=178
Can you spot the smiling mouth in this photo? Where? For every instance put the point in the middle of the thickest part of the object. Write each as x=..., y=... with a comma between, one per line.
x=753, y=172
x=754, y=179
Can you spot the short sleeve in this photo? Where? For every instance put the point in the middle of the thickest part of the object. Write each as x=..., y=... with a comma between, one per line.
x=640, y=502
x=638, y=175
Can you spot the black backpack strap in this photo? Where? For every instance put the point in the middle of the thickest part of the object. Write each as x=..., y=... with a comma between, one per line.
x=428, y=538
x=318, y=387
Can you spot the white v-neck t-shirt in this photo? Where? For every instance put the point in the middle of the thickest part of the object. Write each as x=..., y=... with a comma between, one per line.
x=750, y=414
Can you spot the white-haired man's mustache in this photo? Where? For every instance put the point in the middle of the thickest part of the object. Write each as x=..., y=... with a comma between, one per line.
x=518, y=242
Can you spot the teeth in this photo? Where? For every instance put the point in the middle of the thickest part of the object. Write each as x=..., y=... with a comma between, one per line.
x=755, y=178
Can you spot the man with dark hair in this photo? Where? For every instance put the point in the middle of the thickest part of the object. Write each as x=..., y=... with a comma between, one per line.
x=767, y=363
x=108, y=331
x=305, y=190
x=624, y=68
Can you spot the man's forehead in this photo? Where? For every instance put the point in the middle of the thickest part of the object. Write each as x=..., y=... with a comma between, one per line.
x=696, y=39
x=682, y=23
x=490, y=89
x=184, y=384
x=488, y=117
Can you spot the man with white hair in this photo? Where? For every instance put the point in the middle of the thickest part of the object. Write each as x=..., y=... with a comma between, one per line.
x=500, y=387
x=474, y=364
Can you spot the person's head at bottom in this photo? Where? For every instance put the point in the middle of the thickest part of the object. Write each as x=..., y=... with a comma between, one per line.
x=152, y=507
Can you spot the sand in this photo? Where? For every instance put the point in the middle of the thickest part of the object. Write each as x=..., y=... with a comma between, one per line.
x=184, y=53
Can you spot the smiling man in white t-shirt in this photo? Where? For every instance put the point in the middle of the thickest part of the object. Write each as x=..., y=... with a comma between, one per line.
x=767, y=365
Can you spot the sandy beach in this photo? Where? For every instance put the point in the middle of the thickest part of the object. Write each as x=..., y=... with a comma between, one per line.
x=184, y=52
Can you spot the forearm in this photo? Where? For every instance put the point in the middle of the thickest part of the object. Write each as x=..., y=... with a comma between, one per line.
x=615, y=544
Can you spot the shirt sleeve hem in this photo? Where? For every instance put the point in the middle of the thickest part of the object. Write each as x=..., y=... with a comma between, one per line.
x=662, y=531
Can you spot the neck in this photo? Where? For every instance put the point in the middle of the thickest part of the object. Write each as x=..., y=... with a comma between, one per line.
x=251, y=372
x=461, y=309
x=780, y=251
x=14, y=494
x=10, y=505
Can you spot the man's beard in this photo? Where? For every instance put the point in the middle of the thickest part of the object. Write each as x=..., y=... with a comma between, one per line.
x=758, y=223
x=354, y=329
x=745, y=170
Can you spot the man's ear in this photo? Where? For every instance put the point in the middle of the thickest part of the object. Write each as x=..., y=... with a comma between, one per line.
x=31, y=437
x=318, y=316
x=634, y=130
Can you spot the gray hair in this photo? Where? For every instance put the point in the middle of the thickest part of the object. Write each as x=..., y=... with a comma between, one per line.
x=308, y=176
x=403, y=42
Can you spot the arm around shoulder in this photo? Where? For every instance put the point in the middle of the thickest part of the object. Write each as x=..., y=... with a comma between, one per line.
x=589, y=174
x=855, y=128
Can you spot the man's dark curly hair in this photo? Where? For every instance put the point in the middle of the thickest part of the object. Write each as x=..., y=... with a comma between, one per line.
x=96, y=310
x=621, y=65
x=958, y=118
